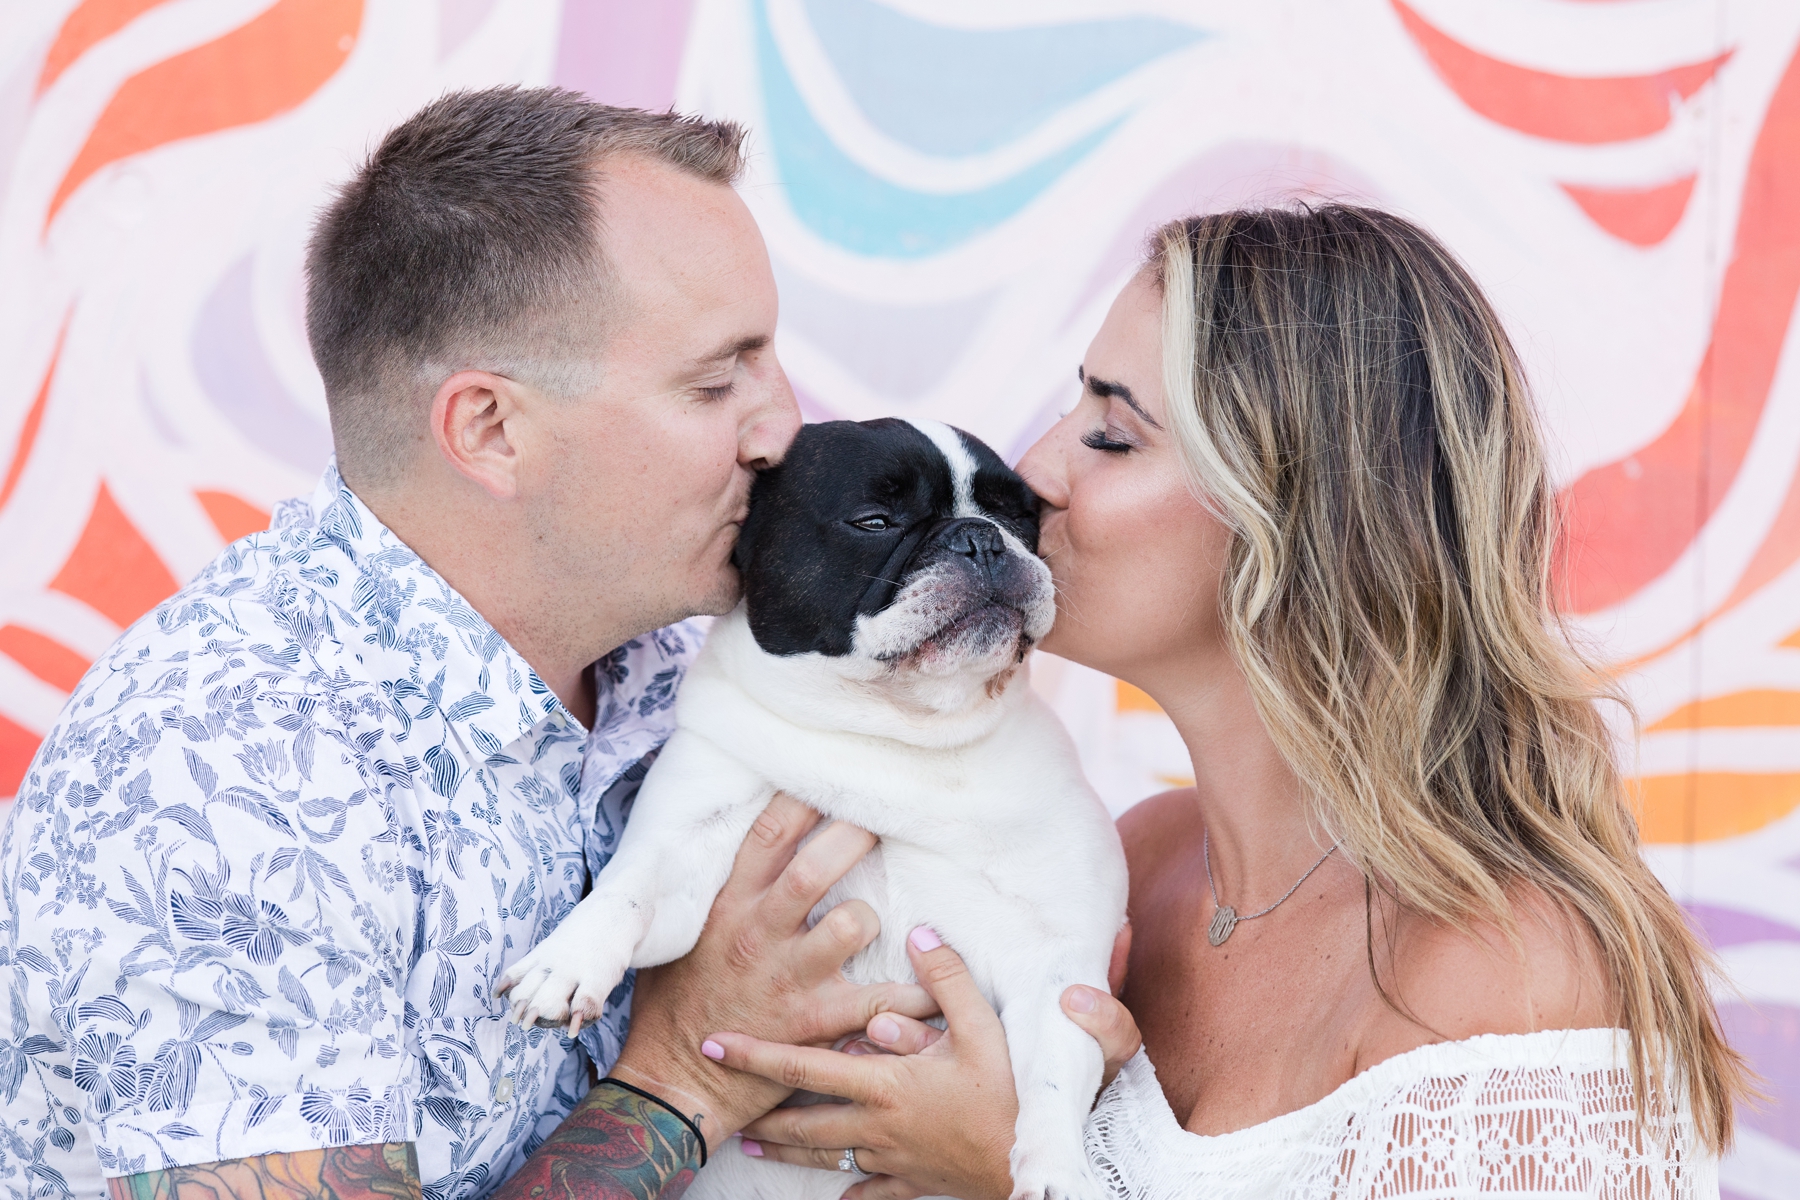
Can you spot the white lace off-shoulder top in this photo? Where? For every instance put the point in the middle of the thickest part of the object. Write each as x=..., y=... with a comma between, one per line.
x=1500, y=1117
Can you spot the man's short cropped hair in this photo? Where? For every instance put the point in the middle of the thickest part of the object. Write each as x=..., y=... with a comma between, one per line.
x=471, y=239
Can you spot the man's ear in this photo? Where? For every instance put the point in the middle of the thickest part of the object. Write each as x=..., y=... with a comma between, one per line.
x=469, y=418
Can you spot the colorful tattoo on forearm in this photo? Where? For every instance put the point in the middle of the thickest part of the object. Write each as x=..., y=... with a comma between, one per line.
x=616, y=1145
x=389, y=1171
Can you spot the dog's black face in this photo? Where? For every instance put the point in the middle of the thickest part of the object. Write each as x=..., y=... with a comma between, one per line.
x=894, y=541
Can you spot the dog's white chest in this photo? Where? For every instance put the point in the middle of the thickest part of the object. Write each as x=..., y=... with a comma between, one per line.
x=995, y=842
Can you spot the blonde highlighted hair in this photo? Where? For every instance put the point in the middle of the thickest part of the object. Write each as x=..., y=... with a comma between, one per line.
x=1346, y=400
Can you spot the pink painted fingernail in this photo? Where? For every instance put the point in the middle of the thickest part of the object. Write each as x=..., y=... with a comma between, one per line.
x=753, y=1149
x=1082, y=1000
x=712, y=1049
x=924, y=938
x=883, y=1029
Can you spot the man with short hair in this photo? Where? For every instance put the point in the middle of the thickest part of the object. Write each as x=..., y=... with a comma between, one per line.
x=268, y=867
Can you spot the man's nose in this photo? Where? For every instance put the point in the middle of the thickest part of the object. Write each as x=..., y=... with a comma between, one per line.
x=770, y=428
x=979, y=541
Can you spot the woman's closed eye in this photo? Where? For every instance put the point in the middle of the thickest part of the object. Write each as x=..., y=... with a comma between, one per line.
x=1098, y=439
x=720, y=392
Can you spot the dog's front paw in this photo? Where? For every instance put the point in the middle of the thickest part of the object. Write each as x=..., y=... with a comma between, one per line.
x=566, y=978
x=1051, y=1171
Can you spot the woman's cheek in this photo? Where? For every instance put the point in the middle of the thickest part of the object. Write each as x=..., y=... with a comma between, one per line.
x=1052, y=545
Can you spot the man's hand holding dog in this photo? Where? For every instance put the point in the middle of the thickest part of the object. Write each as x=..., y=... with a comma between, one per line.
x=758, y=967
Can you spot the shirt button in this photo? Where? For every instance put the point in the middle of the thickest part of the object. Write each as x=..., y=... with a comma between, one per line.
x=503, y=1090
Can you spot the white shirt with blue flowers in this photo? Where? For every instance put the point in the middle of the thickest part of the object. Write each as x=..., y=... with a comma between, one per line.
x=266, y=870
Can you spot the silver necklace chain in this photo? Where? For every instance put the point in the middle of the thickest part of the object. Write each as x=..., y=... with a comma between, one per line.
x=1225, y=918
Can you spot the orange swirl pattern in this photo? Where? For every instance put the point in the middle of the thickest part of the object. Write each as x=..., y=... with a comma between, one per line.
x=266, y=67
x=1631, y=519
x=1588, y=111
x=92, y=22
x=256, y=72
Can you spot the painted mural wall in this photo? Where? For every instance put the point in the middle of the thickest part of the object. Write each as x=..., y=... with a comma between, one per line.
x=952, y=191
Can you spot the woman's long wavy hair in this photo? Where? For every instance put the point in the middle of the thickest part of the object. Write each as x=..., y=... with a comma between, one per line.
x=1347, y=401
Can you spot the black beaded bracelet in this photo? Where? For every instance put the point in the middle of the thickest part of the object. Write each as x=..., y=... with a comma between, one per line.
x=690, y=1122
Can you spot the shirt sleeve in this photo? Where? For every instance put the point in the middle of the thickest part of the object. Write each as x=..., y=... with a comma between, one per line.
x=1534, y=1133
x=214, y=913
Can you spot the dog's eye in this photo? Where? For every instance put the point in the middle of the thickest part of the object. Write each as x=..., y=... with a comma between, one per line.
x=875, y=523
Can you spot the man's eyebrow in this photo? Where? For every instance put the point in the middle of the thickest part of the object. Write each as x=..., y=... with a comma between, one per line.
x=1105, y=388
x=733, y=348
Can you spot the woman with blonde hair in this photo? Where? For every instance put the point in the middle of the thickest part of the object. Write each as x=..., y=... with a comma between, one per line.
x=1398, y=939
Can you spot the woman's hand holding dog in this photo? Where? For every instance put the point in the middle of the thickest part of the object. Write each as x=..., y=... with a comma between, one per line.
x=935, y=1114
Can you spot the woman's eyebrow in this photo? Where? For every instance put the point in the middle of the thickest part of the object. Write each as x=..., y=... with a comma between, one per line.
x=1105, y=388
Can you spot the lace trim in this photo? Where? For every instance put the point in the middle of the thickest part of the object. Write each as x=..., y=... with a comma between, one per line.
x=1501, y=1115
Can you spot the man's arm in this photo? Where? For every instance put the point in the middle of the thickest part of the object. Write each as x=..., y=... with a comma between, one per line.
x=616, y=1145
x=389, y=1171
x=757, y=965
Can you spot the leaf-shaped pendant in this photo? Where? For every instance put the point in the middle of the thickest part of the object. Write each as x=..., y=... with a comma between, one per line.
x=1224, y=920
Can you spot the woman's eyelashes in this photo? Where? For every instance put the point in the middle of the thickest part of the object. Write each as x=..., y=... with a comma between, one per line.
x=721, y=392
x=1097, y=439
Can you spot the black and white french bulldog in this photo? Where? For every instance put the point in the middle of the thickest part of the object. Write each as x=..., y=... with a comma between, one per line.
x=891, y=593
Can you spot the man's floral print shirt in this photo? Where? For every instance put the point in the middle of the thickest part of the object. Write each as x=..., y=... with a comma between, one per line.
x=266, y=870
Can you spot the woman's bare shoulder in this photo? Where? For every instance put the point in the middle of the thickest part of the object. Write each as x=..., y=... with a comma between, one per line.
x=1156, y=830
x=1451, y=983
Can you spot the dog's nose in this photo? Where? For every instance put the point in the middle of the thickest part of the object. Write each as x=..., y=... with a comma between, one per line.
x=977, y=540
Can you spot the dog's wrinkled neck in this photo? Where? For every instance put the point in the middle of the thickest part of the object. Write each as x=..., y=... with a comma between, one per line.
x=939, y=710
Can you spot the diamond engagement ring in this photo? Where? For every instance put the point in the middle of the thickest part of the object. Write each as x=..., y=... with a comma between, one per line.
x=848, y=1163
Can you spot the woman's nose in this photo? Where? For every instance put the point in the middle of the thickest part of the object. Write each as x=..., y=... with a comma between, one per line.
x=1044, y=467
